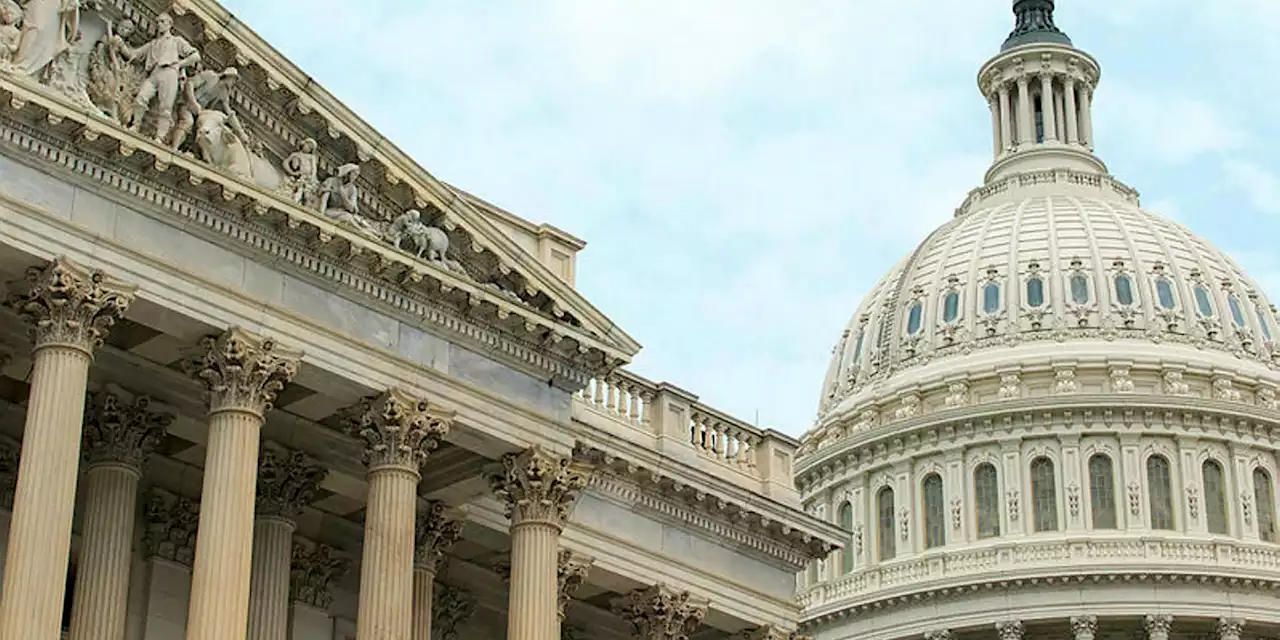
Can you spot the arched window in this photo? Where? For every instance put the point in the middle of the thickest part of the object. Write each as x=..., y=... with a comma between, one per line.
x=1035, y=292
x=1263, y=324
x=1237, y=315
x=1265, y=499
x=1215, y=497
x=913, y=318
x=1079, y=289
x=1044, y=495
x=1102, y=492
x=1202, y=301
x=951, y=306
x=884, y=507
x=1160, y=492
x=935, y=512
x=1164, y=293
x=991, y=298
x=846, y=521
x=857, y=346
x=986, y=494
x=1124, y=290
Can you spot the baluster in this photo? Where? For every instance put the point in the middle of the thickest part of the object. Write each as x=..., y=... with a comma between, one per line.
x=624, y=400
x=597, y=395
x=646, y=401
x=612, y=406
x=634, y=412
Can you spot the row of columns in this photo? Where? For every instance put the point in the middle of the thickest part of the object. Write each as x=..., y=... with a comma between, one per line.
x=1065, y=105
x=1155, y=627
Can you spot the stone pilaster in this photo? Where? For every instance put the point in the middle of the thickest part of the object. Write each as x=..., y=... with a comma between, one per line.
x=287, y=482
x=539, y=490
x=70, y=309
x=453, y=608
x=661, y=613
x=1084, y=627
x=434, y=534
x=398, y=430
x=120, y=433
x=571, y=572
x=314, y=570
x=1157, y=626
x=1230, y=628
x=243, y=373
x=1010, y=629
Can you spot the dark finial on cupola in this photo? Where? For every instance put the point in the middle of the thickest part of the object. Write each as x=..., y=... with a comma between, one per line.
x=1034, y=25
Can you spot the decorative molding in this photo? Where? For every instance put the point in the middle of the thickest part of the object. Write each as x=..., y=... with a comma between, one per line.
x=287, y=481
x=314, y=570
x=69, y=305
x=242, y=371
x=661, y=613
x=397, y=428
x=538, y=486
x=171, y=527
x=435, y=532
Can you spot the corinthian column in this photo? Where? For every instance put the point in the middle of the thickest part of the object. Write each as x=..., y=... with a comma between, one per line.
x=769, y=632
x=243, y=373
x=1157, y=626
x=1230, y=628
x=434, y=534
x=398, y=430
x=571, y=572
x=661, y=613
x=287, y=482
x=1084, y=627
x=70, y=309
x=119, y=436
x=314, y=570
x=539, y=490
x=453, y=607
x=1010, y=630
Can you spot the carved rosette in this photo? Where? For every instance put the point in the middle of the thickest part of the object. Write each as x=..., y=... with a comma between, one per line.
x=118, y=430
x=1157, y=626
x=398, y=429
x=537, y=486
x=313, y=572
x=242, y=371
x=171, y=527
x=571, y=572
x=1009, y=629
x=287, y=481
x=661, y=613
x=70, y=305
x=434, y=533
x=453, y=607
x=769, y=632
x=8, y=472
x=1084, y=627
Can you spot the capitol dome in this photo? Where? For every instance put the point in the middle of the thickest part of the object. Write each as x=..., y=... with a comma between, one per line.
x=1058, y=415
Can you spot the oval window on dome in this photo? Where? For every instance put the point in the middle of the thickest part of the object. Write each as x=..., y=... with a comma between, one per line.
x=1202, y=302
x=1237, y=316
x=1263, y=324
x=1079, y=289
x=1035, y=292
x=913, y=318
x=1124, y=290
x=951, y=306
x=1164, y=292
x=991, y=298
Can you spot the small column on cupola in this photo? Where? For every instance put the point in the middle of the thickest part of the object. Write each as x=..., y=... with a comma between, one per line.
x=1039, y=89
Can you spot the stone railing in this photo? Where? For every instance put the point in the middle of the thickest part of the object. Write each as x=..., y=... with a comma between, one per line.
x=1028, y=559
x=673, y=421
x=1103, y=183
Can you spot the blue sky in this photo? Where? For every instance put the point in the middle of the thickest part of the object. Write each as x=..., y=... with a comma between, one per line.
x=744, y=170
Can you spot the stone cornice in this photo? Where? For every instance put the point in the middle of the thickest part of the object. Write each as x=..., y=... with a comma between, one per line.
x=99, y=152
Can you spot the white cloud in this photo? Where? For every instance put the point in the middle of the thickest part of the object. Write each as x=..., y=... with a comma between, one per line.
x=1260, y=185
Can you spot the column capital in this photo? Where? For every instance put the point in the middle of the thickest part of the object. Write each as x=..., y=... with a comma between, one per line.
x=242, y=371
x=1230, y=628
x=120, y=428
x=537, y=486
x=287, y=481
x=571, y=572
x=313, y=570
x=661, y=613
x=8, y=472
x=434, y=533
x=172, y=522
x=1084, y=627
x=1157, y=626
x=399, y=429
x=452, y=608
x=769, y=632
x=939, y=634
x=1009, y=629
x=70, y=305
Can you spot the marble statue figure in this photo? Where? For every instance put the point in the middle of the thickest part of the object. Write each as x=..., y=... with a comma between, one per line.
x=429, y=240
x=49, y=27
x=301, y=167
x=10, y=32
x=207, y=89
x=163, y=60
x=112, y=80
x=222, y=144
x=339, y=200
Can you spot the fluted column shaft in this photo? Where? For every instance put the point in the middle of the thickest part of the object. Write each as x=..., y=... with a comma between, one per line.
x=386, y=572
x=1006, y=119
x=423, y=601
x=533, y=613
x=269, y=581
x=1047, y=114
x=1026, y=122
x=1086, y=116
x=1069, y=95
x=100, y=607
x=220, y=577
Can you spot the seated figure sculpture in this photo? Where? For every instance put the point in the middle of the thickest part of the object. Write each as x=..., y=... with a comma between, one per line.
x=339, y=200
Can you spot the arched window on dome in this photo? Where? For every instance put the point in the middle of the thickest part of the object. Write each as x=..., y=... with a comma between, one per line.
x=914, y=317
x=857, y=345
x=986, y=500
x=935, y=517
x=951, y=306
x=1035, y=292
x=1263, y=323
x=1215, y=497
x=1265, y=498
x=1079, y=285
x=1164, y=293
x=1124, y=290
x=1237, y=314
x=846, y=521
x=884, y=508
x=1203, y=305
x=1160, y=492
x=991, y=297
x=1102, y=492
x=1044, y=495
